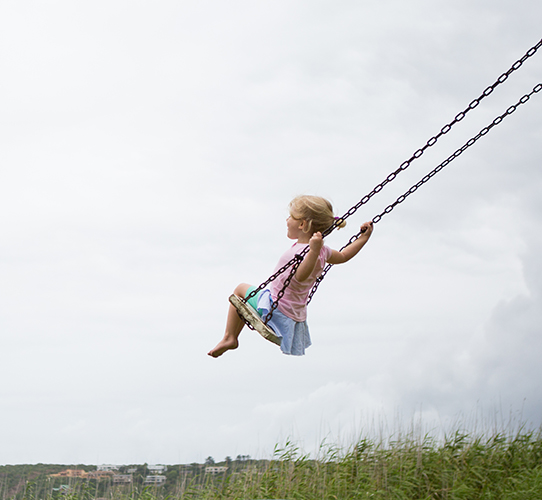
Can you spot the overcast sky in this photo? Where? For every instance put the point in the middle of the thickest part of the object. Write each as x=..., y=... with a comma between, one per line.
x=148, y=154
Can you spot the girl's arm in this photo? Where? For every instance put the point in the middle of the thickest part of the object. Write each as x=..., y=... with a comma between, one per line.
x=354, y=247
x=307, y=265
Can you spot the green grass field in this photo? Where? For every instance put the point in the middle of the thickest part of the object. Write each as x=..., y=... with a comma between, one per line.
x=459, y=466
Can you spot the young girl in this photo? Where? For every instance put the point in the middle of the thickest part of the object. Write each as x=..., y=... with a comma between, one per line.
x=309, y=217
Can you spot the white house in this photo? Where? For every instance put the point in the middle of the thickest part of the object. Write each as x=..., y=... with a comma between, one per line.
x=107, y=468
x=157, y=469
x=212, y=469
x=122, y=478
x=155, y=480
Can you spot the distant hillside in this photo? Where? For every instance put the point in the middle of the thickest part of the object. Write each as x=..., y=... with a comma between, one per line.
x=13, y=478
x=46, y=481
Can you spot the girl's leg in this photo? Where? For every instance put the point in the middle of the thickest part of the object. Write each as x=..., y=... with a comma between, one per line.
x=234, y=325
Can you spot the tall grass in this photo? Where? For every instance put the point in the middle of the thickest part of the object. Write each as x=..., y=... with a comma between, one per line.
x=457, y=466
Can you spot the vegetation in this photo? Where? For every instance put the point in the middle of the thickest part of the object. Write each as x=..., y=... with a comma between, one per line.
x=457, y=467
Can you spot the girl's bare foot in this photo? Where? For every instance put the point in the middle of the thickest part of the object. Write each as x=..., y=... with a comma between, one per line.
x=224, y=345
x=234, y=325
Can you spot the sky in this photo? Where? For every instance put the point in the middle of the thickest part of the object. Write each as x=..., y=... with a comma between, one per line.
x=148, y=154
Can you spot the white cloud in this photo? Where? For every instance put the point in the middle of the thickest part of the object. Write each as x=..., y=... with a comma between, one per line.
x=148, y=156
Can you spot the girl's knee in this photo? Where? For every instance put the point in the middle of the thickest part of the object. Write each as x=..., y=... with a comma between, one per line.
x=241, y=289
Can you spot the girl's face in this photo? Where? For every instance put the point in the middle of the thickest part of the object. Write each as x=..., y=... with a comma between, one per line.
x=295, y=228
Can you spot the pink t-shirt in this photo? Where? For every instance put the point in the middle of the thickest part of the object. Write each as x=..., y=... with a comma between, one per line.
x=294, y=301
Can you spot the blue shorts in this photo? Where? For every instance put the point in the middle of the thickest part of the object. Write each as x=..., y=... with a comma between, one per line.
x=295, y=337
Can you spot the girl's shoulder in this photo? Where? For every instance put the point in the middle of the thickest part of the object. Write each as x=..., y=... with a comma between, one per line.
x=326, y=252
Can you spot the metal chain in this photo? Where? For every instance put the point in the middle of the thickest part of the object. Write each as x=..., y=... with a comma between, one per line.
x=391, y=177
x=298, y=259
x=328, y=267
x=537, y=88
x=432, y=141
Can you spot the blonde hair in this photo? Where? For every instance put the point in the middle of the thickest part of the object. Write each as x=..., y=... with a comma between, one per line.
x=315, y=210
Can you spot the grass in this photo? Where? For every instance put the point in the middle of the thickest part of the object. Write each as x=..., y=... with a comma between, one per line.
x=458, y=466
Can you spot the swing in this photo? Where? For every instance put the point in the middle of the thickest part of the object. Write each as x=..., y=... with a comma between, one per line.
x=250, y=316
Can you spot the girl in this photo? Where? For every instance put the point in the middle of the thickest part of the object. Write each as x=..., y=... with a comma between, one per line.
x=309, y=217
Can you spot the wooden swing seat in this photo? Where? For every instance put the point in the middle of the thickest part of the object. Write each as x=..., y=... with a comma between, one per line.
x=253, y=319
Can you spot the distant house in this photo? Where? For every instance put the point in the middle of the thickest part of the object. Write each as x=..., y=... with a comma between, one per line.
x=70, y=473
x=132, y=471
x=157, y=469
x=212, y=469
x=157, y=480
x=100, y=474
x=122, y=478
x=109, y=468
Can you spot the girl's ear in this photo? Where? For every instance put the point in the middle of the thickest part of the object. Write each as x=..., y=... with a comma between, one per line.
x=305, y=225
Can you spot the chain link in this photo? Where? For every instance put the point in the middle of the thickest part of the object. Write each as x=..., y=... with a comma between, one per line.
x=433, y=140
x=458, y=152
x=295, y=261
x=298, y=259
x=537, y=88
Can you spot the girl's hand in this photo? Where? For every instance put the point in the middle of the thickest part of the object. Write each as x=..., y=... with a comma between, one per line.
x=353, y=248
x=366, y=228
x=306, y=267
x=316, y=242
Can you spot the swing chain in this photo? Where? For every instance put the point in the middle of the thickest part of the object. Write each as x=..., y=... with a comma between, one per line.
x=432, y=141
x=295, y=261
x=298, y=258
x=537, y=88
x=403, y=166
x=329, y=266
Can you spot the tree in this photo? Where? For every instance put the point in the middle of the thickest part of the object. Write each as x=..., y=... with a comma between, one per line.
x=209, y=461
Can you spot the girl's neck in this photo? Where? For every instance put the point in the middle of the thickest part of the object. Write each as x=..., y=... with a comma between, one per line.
x=304, y=239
